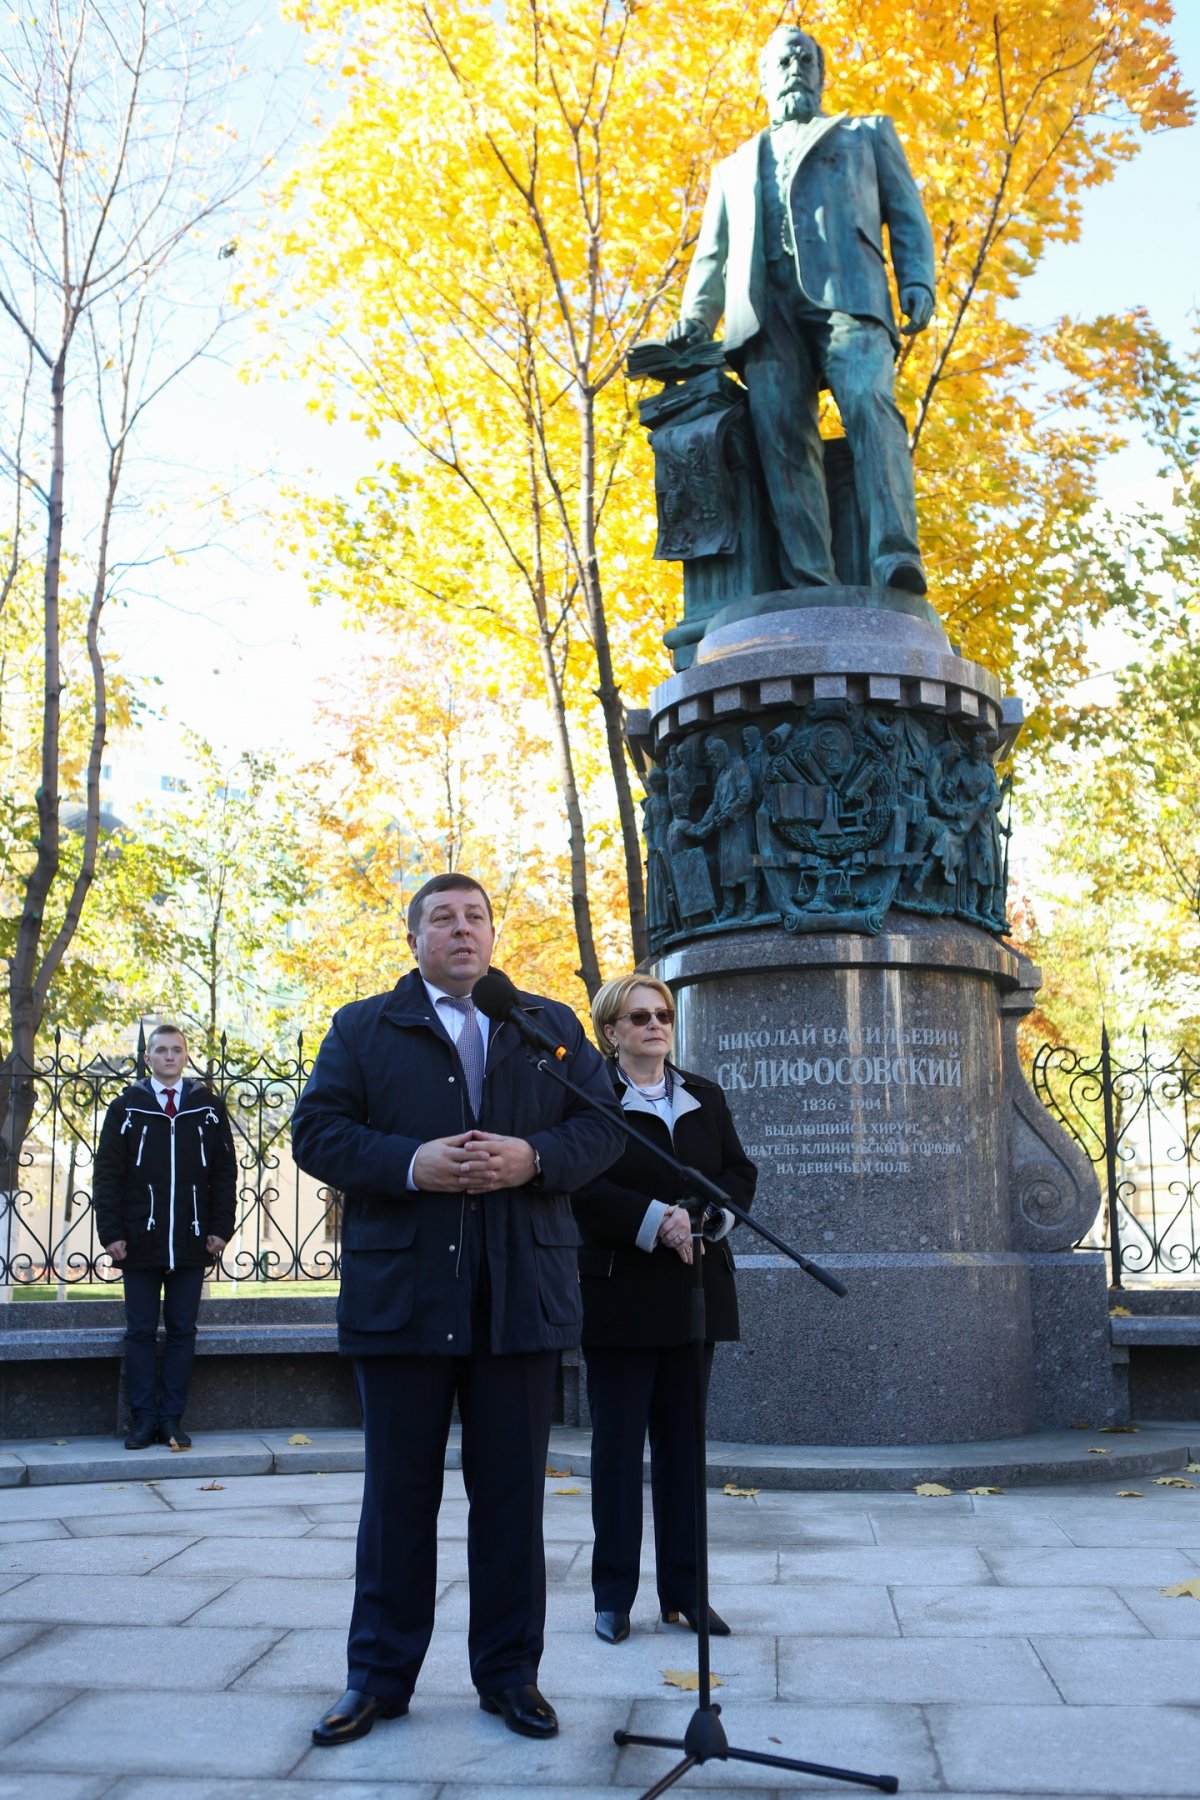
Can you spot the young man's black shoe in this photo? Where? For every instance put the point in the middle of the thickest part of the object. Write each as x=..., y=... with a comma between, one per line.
x=142, y=1433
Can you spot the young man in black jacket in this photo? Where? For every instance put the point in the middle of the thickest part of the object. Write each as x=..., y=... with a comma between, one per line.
x=164, y=1194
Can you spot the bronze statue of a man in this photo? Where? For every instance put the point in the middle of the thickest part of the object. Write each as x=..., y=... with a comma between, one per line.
x=791, y=254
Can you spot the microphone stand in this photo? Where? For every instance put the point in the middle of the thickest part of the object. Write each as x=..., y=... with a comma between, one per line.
x=705, y=1739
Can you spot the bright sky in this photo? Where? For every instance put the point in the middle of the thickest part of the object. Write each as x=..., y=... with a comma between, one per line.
x=240, y=651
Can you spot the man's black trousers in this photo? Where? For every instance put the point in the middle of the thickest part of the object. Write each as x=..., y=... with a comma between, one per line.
x=630, y=1392
x=179, y=1290
x=505, y=1405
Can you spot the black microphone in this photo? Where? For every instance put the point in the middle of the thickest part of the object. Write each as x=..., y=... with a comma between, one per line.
x=497, y=998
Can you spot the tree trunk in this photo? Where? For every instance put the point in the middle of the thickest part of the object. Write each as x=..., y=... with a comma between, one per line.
x=24, y=1015
x=16, y=1083
x=213, y=982
x=608, y=693
x=581, y=908
x=589, y=966
x=17, y=1099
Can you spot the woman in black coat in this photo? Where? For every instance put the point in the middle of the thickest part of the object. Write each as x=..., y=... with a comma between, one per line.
x=635, y=1273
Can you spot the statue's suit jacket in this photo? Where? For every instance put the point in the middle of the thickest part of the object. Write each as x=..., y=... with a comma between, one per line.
x=853, y=180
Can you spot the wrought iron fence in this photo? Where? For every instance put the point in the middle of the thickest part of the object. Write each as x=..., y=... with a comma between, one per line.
x=1140, y=1122
x=288, y=1226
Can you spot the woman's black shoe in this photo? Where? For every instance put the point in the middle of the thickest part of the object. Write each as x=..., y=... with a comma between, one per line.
x=613, y=1627
x=353, y=1716
x=716, y=1624
x=171, y=1432
x=142, y=1433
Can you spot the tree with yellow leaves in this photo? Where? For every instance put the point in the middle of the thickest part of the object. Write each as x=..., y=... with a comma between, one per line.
x=506, y=204
x=117, y=176
x=428, y=770
x=475, y=220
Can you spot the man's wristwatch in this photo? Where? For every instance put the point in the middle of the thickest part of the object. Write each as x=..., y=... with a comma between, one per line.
x=537, y=1166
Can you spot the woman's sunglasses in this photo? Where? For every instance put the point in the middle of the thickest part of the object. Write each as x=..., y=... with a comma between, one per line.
x=643, y=1016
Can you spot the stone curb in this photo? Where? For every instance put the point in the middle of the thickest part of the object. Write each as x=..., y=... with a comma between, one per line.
x=1040, y=1457
x=1161, y=1330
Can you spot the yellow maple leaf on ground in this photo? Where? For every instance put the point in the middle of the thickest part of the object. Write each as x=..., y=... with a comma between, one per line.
x=1175, y=1481
x=558, y=1472
x=212, y=1487
x=298, y=1437
x=1192, y=1468
x=1126, y=1430
x=731, y=1487
x=985, y=1490
x=1129, y=1493
x=566, y=1490
x=932, y=1490
x=1098, y=1450
x=688, y=1680
x=1189, y=1590
x=1119, y=1312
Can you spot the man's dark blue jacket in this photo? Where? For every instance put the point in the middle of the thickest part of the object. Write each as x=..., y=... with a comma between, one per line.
x=388, y=1079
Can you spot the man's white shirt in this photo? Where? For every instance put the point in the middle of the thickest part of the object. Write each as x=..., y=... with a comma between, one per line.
x=452, y=1020
x=161, y=1090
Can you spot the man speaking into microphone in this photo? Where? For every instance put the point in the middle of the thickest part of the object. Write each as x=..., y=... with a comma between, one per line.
x=456, y=1158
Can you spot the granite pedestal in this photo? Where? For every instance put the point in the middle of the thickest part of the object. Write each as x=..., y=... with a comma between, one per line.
x=867, y=1044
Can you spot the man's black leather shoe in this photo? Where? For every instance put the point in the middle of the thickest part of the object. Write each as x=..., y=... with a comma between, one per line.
x=171, y=1432
x=142, y=1433
x=613, y=1627
x=716, y=1624
x=523, y=1710
x=353, y=1716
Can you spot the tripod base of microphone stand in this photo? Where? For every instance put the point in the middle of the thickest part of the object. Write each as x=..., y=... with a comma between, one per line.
x=705, y=1741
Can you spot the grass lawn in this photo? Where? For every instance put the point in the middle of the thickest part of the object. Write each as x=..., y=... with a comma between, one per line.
x=220, y=1290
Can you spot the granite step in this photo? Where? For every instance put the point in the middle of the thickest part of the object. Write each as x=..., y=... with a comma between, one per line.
x=1039, y=1457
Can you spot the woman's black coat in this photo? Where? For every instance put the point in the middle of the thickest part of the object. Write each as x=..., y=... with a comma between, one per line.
x=634, y=1298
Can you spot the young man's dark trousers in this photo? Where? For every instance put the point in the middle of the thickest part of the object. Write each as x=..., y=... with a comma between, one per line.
x=179, y=1291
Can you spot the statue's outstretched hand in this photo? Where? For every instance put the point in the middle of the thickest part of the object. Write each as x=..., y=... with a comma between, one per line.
x=917, y=305
x=687, y=331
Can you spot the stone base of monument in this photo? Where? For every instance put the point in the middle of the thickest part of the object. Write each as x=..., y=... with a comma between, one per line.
x=875, y=1082
x=828, y=906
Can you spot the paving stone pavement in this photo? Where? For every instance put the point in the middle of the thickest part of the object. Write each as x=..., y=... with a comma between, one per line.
x=176, y=1640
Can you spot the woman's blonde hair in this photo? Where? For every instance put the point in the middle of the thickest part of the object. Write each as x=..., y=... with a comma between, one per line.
x=612, y=999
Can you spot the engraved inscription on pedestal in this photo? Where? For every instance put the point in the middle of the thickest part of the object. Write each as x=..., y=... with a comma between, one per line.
x=869, y=1134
